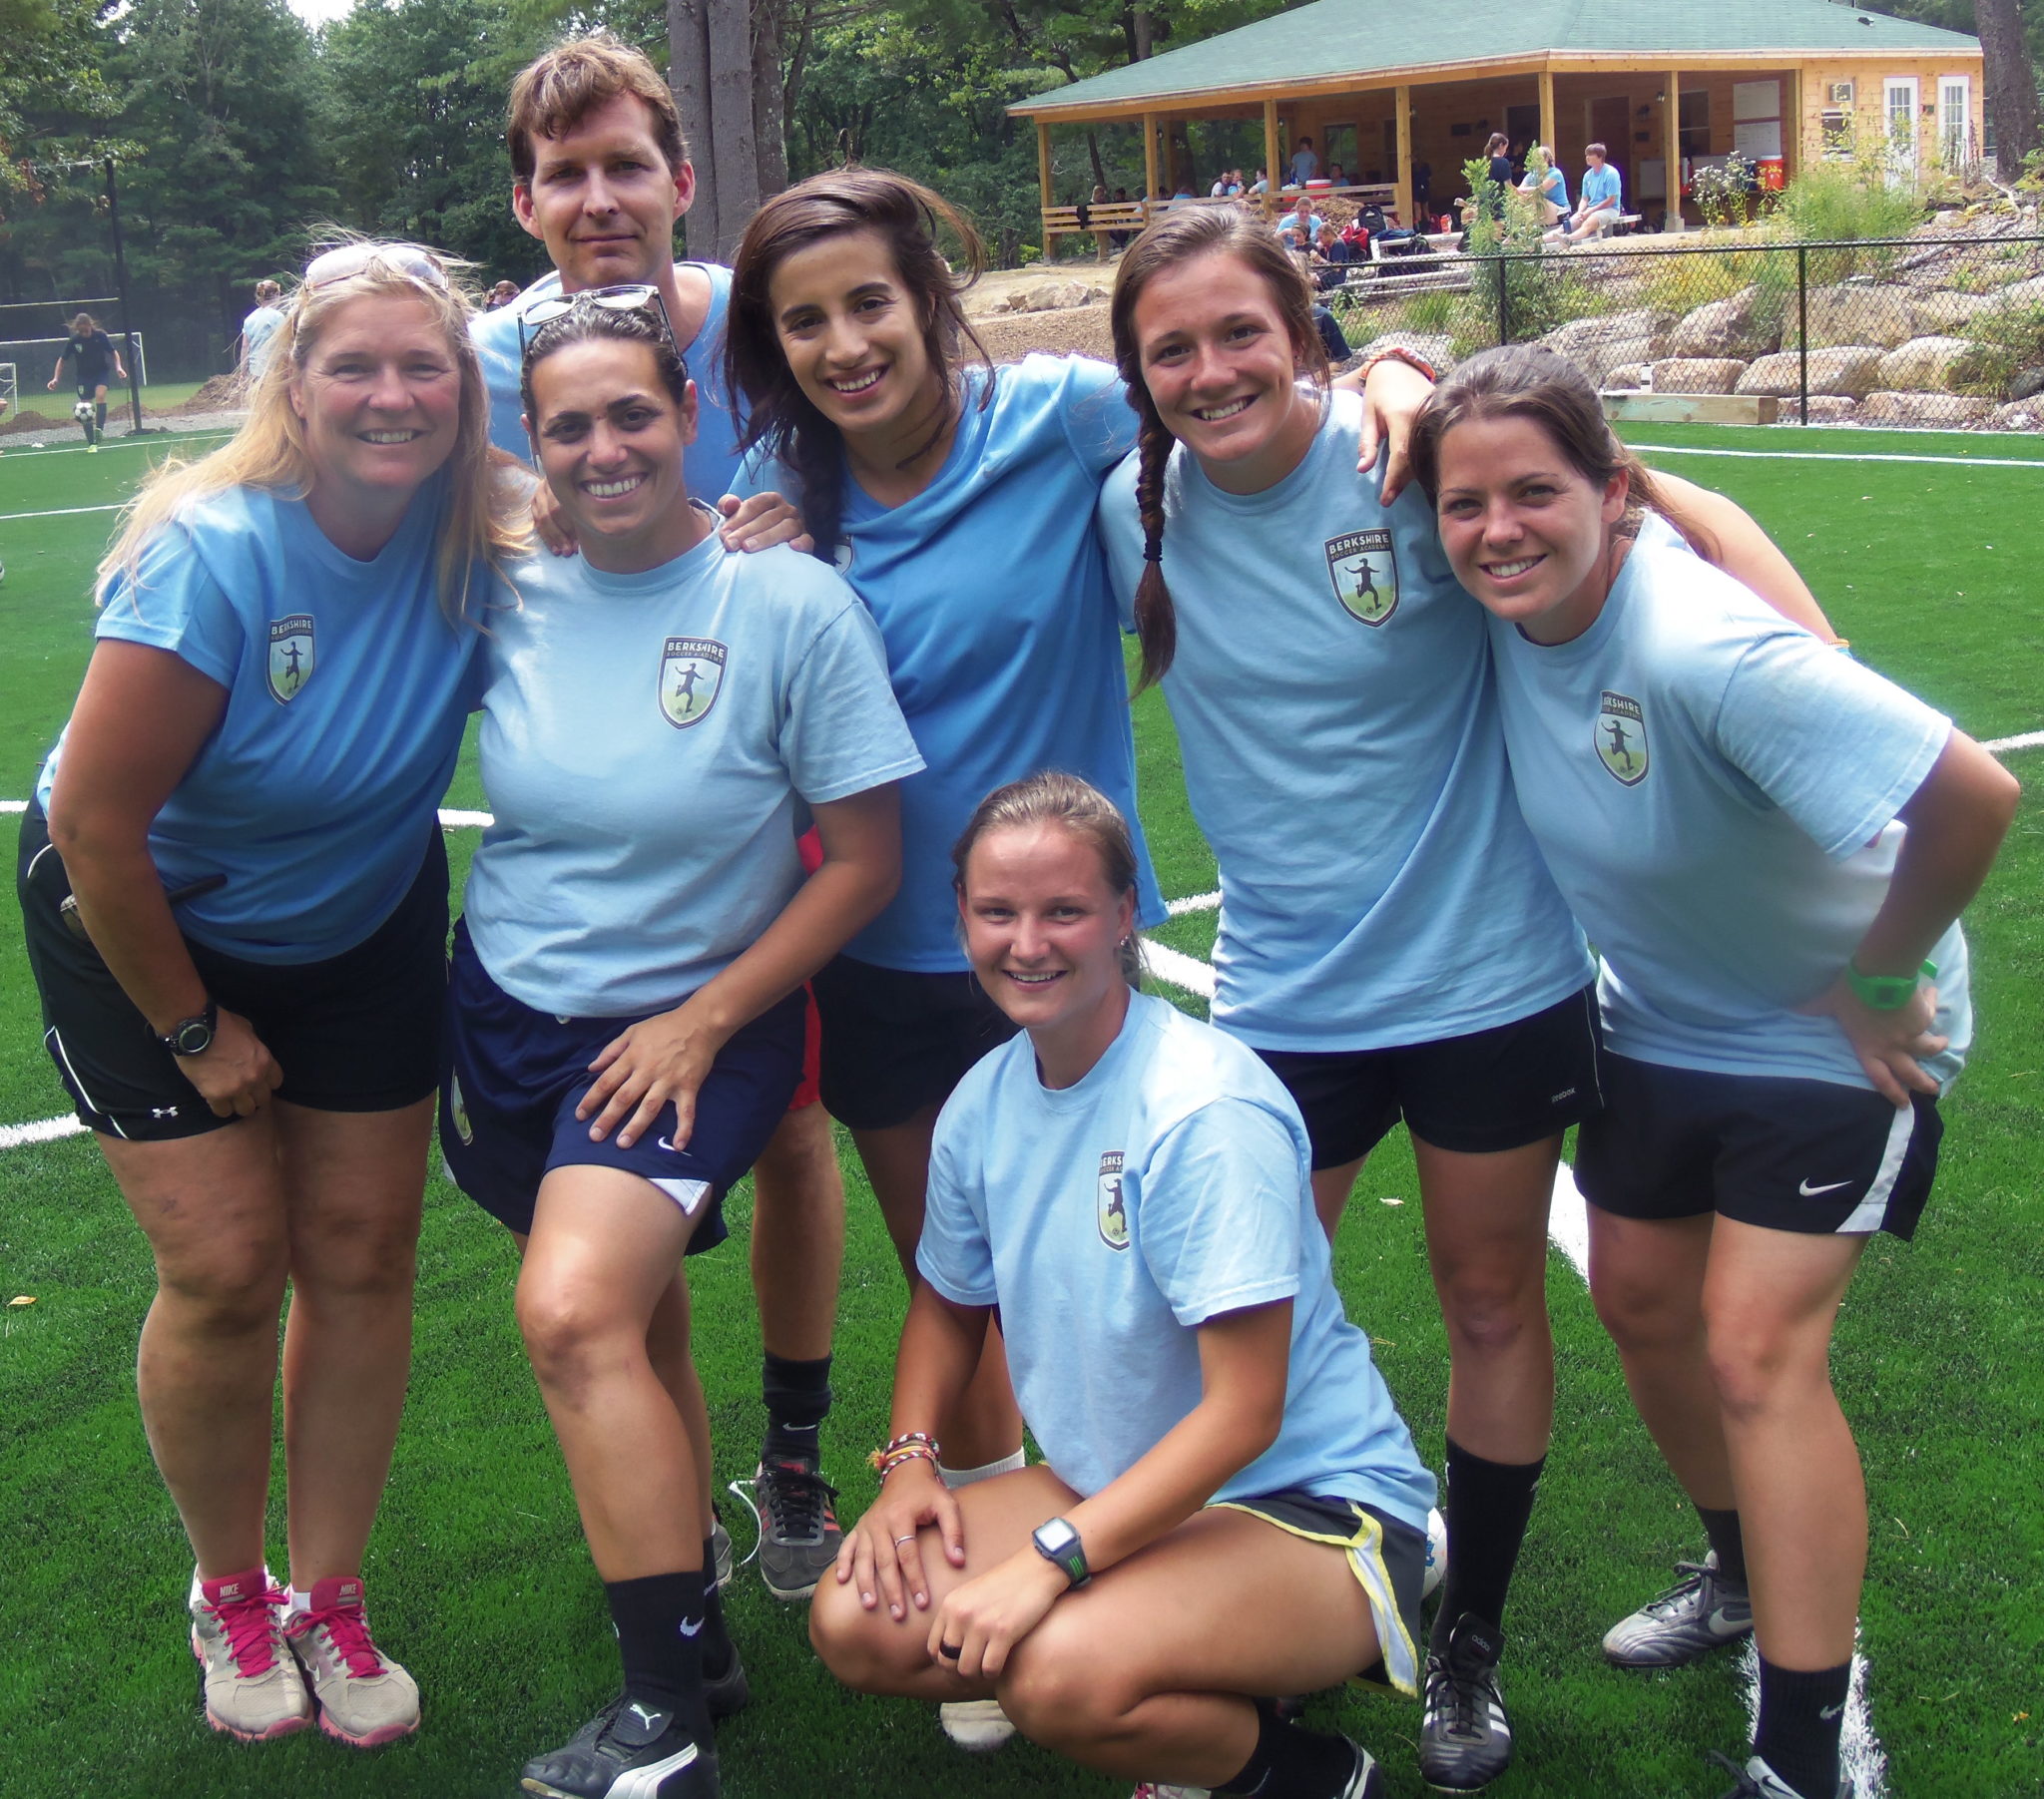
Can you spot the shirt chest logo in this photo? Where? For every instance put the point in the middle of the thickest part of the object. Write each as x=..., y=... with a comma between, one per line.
x=691, y=676
x=1622, y=739
x=1364, y=570
x=1113, y=1213
x=292, y=654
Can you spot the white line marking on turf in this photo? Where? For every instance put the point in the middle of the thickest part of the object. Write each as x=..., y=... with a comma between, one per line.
x=2002, y=745
x=453, y=820
x=1197, y=902
x=13, y=805
x=43, y=1131
x=60, y=511
x=1568, y=1221
x=1963, y=462
x=1188, y=972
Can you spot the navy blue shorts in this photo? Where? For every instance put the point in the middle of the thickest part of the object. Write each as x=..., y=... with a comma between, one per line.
x=515, y=1076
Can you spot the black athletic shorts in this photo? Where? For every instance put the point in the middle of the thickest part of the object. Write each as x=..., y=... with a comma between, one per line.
x=896, y=1042
x=515, y=1077
x=358, y=1032
x=1805, y=1156
x=1493, y=1089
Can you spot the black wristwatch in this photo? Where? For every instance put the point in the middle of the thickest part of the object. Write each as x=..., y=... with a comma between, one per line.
x=1057, y=1542
x=191, y=1035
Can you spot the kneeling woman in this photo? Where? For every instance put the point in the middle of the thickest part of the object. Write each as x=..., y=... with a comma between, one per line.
x=626, y=1013
x=1721, y=800
x=1130, y=1189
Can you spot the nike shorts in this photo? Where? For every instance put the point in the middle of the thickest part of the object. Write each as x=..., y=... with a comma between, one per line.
x=1803, y=1155
x=514, y=1077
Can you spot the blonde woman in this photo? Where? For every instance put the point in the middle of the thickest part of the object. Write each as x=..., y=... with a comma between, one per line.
x=236, y=900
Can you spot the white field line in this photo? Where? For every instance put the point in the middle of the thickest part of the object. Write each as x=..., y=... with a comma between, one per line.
x=43, y=1131
x=2002, y=745
x=1963, y=462
x=60, y=511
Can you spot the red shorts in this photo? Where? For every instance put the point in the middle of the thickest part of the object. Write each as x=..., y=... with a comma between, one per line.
x=811, y=847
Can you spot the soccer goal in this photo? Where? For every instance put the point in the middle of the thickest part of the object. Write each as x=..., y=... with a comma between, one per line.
x=7, y=387
x=39, y=355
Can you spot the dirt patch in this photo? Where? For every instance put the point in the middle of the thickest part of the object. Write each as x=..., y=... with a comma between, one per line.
x=1076, y=330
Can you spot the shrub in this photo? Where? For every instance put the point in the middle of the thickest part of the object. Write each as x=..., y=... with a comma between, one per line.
x=2006, y=340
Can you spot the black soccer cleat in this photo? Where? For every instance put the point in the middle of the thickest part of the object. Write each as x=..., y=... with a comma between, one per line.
x=629, y=1750
x=1465, y=1738
x=1758, y=1781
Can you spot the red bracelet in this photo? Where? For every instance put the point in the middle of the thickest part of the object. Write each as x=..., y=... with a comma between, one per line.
x=1397, y=353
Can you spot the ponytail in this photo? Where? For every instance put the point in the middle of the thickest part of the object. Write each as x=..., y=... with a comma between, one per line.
x=1155, y=616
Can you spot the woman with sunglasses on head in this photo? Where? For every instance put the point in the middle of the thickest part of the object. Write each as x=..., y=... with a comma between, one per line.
x=626, y=1008
x=268, y=720
x=1229, y=1508
x=957, y=499
x=1770, y=847
x=1414, y=962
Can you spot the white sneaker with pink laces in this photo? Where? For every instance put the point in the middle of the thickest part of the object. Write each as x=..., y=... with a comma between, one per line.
x=365, y=1698
x=254, y=1690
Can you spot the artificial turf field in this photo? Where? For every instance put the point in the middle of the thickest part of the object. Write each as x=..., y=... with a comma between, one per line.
x=480, y=1579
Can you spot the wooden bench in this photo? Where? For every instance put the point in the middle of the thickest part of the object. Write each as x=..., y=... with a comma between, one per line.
x=1108, y=216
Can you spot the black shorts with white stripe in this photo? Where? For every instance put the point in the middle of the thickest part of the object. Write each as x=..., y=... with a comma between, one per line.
x=1803, y=1156
x=357, y=1031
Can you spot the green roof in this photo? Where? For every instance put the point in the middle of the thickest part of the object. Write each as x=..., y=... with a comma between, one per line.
x=1377, y=38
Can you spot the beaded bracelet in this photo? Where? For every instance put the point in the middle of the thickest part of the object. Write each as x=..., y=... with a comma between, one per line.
x=909, y=1444
x=915, y=1452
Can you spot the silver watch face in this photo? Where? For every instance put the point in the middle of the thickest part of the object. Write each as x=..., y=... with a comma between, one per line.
x=193, y=1038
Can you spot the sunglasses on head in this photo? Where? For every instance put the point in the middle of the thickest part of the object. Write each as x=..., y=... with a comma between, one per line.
x=347, y=260
x=629, y=296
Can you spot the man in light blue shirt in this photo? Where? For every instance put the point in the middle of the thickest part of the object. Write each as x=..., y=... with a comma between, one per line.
x=1602, y=200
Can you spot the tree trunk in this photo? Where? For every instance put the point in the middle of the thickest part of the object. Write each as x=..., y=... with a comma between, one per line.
x=1093, y=151
x=770, y=115
x=737, y=156
x=688, y=53
x=1139, y=32
x=2011, y=83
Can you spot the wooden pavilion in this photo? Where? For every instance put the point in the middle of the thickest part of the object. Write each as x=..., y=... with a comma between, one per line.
x=1383, y=87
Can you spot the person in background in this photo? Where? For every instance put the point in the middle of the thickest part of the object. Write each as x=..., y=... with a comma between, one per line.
x=91, y=353
x=1546, y=184
x=258, y=328
x=1305, y=163
x=502, y=295
x=1602, y=201
x=1499, y=176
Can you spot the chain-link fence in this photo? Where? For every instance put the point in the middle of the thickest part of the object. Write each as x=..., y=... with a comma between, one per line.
x=1933, y=331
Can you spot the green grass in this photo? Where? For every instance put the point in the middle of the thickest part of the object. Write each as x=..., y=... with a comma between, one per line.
x=484, y=1585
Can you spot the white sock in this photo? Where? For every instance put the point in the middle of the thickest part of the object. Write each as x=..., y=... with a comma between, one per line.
x=301, y=1603
x=954, y=1477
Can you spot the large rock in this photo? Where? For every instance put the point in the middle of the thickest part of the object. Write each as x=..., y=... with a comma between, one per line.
x=1939, y=411
x=2019, y=415
x=1599, y=345
x=1922, y=365
x=2019, y=293
x=1727, y=327
x=1848, y=370
x=1631, y=376
x=1848, y=316
x=1825, y=409
x=1055, y=296
x=1698, y=374
x=1435, y=349
x=1944, y=314
x=2027, y=386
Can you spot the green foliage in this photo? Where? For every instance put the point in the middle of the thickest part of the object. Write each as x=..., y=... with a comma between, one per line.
x=1722, y=190
x=1526, y=292
x=2007, y=340
x=1844, y=200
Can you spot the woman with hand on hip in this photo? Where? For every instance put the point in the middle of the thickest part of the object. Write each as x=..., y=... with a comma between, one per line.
x=236, y=919
x=1230, y=1509
x=626, y=1006
x=1770, y=847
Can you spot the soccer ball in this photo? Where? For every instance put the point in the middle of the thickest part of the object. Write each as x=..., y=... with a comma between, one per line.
x=82, y=412
x=1436, y=1552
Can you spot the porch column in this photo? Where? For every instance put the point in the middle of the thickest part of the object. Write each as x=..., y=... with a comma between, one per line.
x=1404, y=134
x=1671, y=147
x=1270, y=172
x=1148, y=161
x=1548, y=122
x=1043, y=171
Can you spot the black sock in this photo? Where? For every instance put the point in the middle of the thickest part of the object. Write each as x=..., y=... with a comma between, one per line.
x=1291, y=1762
x=660, y=1620
x=798, y=1396
x=1728, y=1542
x=1801, y=1717
x=1487, y=1509
x=717, y=1651
x=100, y=417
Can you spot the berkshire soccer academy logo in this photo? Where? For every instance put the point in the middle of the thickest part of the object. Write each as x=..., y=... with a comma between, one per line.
x=1364, y=570
x=292, y=657
x=1622, y=739
x=1113, y=1212
x=691, y=676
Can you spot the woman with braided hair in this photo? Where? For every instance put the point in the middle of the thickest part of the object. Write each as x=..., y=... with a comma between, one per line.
x=1417, y=962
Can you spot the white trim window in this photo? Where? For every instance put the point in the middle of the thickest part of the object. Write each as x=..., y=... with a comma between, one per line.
x=1900, y=99
x=1955, y=147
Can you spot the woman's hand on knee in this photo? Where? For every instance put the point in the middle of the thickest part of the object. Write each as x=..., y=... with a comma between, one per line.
x=882, y=1553
x=979, y=1624
x=236, y=1075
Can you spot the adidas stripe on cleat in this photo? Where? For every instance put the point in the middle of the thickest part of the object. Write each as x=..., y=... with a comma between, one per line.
x=1701, y=1611
x=251, y=1685
x=1465, y=1738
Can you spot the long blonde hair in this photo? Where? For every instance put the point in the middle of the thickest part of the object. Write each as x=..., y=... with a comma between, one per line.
x=483, y=523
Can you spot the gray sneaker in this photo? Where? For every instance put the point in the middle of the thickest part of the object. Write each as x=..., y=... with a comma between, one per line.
x=798, y=1534
x=1701, y=1611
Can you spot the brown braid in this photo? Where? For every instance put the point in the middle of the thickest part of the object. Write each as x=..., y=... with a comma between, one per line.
x=1155, y=616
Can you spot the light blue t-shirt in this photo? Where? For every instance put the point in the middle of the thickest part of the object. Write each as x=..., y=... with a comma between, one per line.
x=258, y=331
x=1715, y=791
x=992, y=595
x=650, y=747
x=707, y=465
x=1306, y=164
x=1553, y=186
x=1310, y=226
x=347, y=691
x=1602, y=183
x=1109, y=1219
x=1338, y=726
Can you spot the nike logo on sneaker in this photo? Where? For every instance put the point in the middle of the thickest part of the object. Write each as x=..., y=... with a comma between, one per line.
x=687, y=1630
x=1810, y=1193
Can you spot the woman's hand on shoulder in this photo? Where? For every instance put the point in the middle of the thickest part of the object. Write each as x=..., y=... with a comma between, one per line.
x=1889, y=1044
x=236, y=1075
x=883, y=1553
x=551, y=523
x=987, y=1617
x=1391, y=399
x=761, y=521
x=660, y=1061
